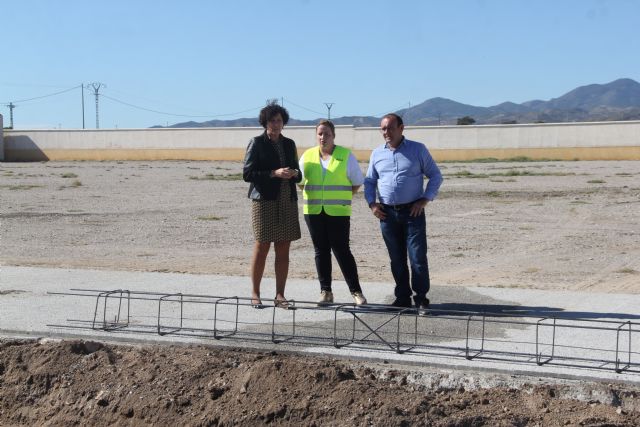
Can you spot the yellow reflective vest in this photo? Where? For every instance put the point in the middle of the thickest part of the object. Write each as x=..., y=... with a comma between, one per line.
x=331, y=192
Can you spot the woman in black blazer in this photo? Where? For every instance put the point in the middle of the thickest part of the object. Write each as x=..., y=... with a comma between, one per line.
x=271, y=168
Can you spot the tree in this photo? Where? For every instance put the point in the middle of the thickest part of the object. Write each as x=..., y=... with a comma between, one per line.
x=466, y=120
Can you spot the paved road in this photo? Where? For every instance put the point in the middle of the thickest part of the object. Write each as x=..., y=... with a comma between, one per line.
x=42, y=302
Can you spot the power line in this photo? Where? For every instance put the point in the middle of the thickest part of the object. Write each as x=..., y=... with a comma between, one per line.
x=304, y=108
x=160, y=103
x=175, y=114
x=45, y=96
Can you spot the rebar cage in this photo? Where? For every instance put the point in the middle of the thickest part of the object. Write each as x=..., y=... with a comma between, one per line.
x=478, y=335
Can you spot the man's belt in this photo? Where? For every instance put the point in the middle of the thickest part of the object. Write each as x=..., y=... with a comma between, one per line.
x=398, y=207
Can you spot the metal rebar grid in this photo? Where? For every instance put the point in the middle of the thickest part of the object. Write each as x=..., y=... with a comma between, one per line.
x=573, y=342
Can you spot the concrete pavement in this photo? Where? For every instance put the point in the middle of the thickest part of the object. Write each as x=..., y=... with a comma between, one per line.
x=579, y=335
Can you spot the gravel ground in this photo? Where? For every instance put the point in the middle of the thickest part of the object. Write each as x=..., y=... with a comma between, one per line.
x=542, y=225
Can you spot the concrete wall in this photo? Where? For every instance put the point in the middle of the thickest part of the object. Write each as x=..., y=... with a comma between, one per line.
x=1, y=139
x=587, y=141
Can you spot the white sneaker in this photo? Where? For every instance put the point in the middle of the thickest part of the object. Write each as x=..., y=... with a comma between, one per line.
x=326, y=297
x=359, y=298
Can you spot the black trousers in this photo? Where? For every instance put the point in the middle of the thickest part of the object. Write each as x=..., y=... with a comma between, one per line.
x=331, y=233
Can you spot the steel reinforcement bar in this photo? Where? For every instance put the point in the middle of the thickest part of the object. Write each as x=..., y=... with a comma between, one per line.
x=473, y=335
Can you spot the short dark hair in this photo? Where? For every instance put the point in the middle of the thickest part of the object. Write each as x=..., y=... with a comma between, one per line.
x=270, y=111
x=393, y=116
x=327, y=123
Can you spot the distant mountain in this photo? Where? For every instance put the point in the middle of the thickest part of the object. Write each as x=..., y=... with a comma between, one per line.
x=622, y=93
x=617, y=100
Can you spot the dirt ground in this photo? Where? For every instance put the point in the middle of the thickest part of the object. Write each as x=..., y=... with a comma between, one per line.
x=88, y=383
x=535, y=225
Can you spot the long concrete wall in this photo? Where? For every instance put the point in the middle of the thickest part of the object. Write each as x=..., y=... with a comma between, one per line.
x=1, y=139
x=568, y=141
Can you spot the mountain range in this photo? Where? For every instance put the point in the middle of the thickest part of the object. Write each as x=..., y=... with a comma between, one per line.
x=617, y=100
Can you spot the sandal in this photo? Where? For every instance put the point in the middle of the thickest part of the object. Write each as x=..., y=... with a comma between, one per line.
x=256, y=303
x=281, y=303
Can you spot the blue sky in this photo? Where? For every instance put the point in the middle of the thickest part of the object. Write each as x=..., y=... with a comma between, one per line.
x=216, y=58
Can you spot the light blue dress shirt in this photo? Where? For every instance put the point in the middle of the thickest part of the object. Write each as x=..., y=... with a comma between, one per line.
x=397, y=176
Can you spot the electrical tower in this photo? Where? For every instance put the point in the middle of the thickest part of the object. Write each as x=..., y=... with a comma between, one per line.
x=329, y=105
x=96, y=88
x=11, y=106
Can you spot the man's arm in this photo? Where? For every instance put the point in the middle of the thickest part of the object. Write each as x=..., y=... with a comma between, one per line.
x=370, y=182
x=354, y=173
x=431, y=170
x=370, y=186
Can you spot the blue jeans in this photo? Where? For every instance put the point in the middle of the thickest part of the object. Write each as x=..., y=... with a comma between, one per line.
x=404, y=234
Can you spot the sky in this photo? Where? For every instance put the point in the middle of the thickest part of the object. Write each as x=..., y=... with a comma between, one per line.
x=162, y=62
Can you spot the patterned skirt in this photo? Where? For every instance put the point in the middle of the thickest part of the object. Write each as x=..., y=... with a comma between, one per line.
x=276, y=220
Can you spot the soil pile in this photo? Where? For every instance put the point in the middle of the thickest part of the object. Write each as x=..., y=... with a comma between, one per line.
x=90, y=383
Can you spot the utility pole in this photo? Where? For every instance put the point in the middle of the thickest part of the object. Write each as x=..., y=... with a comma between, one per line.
x=11, y=106
x=329, y=105
x=96, y=88
x=82, y=88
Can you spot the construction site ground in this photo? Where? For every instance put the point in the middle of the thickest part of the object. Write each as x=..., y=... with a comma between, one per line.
x=538, y=239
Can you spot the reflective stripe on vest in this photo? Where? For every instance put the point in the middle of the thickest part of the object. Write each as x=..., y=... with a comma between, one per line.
x=327, y=202
x=331, y=191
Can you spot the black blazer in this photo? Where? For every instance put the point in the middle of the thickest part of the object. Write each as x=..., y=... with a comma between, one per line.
x=260, y=159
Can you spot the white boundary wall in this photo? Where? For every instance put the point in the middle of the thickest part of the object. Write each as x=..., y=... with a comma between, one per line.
x=619, y=139
x=1, y=139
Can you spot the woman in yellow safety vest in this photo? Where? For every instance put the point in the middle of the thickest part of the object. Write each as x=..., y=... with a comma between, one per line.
x=330, y=177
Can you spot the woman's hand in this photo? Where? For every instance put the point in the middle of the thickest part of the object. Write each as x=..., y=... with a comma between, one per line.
x=284, y=173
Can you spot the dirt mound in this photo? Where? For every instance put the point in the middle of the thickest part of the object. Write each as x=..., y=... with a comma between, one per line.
x=90, y=383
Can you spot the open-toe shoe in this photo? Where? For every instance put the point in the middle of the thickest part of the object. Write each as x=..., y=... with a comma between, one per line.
x=281, y=303
x=256, y=303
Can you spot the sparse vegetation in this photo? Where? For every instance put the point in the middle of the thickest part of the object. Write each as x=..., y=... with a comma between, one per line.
x=76, y=183
x=628, y=271
x=507, y=160
x=467, y=174
x=21, y=187
x=69, y=175
x=596, y=181
x=210, y=218
x=509, y=173
x=212, y=177
x=466, y=120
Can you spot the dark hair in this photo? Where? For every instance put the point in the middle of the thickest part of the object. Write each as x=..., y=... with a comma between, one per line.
x=394, y=116
x=327, y=123
x=270, y=111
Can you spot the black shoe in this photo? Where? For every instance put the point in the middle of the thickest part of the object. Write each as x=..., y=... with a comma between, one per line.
x=398, y=303
x=423, y=307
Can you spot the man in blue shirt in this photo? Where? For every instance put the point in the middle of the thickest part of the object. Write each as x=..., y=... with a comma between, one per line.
x=396, y=176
